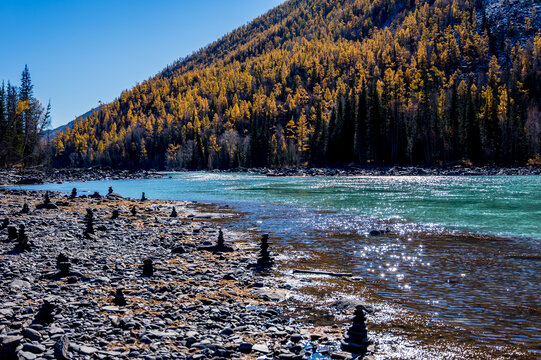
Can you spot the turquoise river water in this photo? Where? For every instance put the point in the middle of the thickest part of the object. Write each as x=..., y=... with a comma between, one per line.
x=464, y=250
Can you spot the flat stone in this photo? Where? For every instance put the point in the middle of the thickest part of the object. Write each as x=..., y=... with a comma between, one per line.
x=245, y=347
x=87, y=350
x=31, y=334
x=262, y=348
x=28, y=355
x=271, y=294
x=112, y=309
x=19, y=284
x=33, y=348
x=11, y=340
x=162, y=334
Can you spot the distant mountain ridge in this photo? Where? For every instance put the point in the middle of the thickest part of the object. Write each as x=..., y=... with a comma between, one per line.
x=52, y=132
x=325, y=82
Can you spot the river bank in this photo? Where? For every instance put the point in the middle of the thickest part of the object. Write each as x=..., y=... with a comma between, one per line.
x=44, y=175
x=198, y=304
x=354, y=170
x=422, y=302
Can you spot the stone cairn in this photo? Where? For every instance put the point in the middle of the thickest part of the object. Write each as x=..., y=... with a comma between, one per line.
x=110, y=190
x=23, y=244
x=25, y=209
x=264, y=261
x=63, y=265
x=45, y=314
x=221, y=242
x=5, y=224
x=219, y=247
x=119, y=298
x=134, y=210
x=73, y=193
x=173, y=213
x=148, y=267
x=96, y=195
x=89, y=219
x=12, y=232
x=356, y=341
x=115, y=214
x=143, y=197
x=46, y=204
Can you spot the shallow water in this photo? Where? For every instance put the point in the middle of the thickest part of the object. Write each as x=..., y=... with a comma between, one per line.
x=465, y=251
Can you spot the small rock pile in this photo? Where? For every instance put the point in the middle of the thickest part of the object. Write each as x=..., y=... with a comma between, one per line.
x=356, y=341
x=264, y=261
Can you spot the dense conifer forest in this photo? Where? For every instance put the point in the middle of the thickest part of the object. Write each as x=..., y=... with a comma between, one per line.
x=23, y=120
x=327, y=82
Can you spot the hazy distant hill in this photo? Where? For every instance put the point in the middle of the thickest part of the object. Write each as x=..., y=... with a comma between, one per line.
x=336, y=81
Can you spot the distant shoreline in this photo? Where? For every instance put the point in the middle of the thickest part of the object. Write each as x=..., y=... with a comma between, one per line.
x=42, y=175
x=387, y=171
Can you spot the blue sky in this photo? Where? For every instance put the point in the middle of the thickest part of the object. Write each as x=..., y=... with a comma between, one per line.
x=82, y=51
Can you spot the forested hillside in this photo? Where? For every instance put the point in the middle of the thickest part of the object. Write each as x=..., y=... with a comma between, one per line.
x=325, y=82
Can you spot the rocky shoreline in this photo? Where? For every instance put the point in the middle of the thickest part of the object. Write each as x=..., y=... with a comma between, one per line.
x=43, y=175
x=352, y=170
x=78, y=288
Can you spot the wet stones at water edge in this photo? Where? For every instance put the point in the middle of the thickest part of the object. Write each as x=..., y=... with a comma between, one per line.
x=89, y=219
x=173, y=213
x=25, y=209
x=119, y=298
x=380, y=232
x=356, y=341
x=46, y=204
x=148, y=267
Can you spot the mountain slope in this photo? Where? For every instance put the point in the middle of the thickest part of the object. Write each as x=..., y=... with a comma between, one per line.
x=329, y=81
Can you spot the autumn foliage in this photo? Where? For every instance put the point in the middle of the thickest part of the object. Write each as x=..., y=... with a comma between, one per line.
x=325, y=82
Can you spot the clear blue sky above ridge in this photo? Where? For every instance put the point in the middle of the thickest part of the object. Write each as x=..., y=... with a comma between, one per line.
x=80, y=52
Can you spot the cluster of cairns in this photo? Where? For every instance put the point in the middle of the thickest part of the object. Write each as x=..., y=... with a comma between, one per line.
x=356, y=341
x=22, y=244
